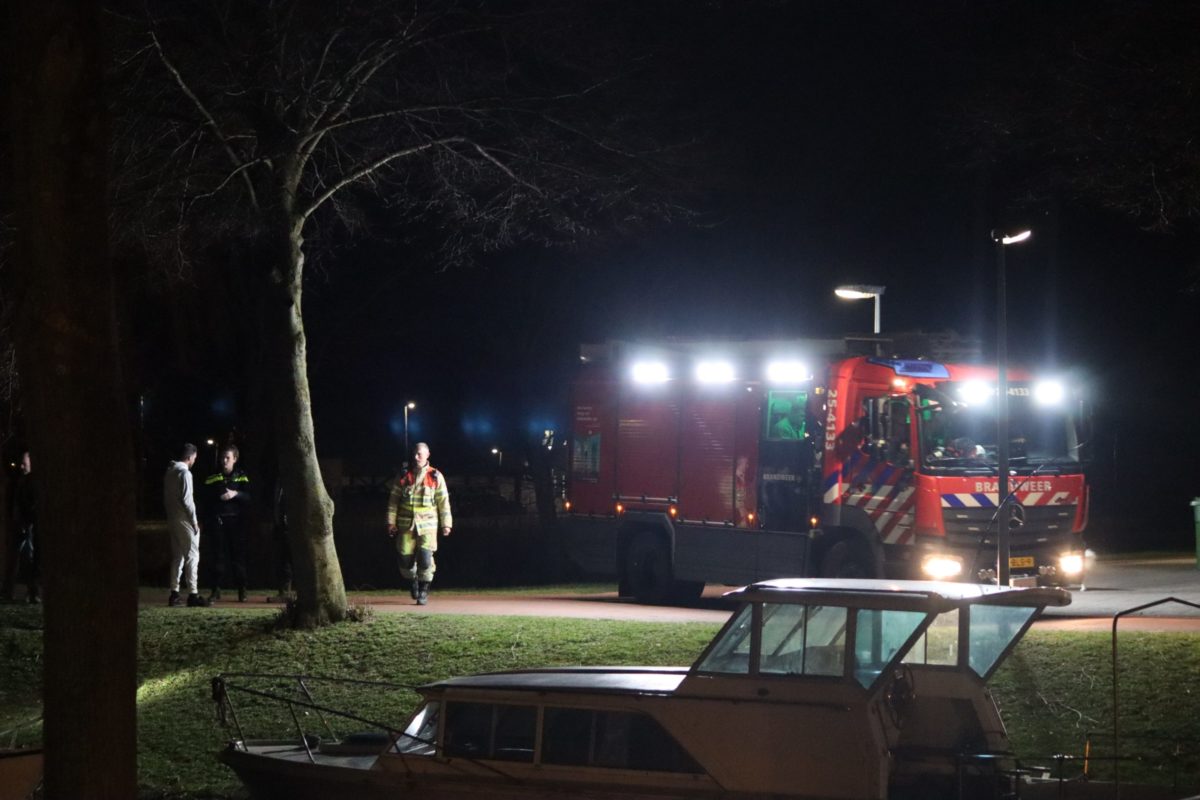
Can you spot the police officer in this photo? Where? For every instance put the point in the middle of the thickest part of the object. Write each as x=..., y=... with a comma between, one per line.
x=418, y=508
x=226, y=510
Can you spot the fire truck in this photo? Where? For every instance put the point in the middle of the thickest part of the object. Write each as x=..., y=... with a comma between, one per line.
x=733, y=463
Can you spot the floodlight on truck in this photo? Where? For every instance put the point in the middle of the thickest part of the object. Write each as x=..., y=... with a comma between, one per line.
x=714, y=371
x=788, y=371
x=975, y=393
x=650, y=372
x=1049, y=392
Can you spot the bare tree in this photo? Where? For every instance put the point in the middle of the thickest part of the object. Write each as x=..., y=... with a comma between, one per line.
x=60, y=285
x=1095, y=101
x=458, y=125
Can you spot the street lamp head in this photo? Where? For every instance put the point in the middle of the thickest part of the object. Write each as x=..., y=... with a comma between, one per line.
x=411, y=405
x=1014, y=238
x=495, y=450
x=858, y=291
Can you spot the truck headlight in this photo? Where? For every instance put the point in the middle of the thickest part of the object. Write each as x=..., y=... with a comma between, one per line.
x=1070, y=563
x=941, y=567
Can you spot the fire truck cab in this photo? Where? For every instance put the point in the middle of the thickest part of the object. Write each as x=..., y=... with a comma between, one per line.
x=695, y=463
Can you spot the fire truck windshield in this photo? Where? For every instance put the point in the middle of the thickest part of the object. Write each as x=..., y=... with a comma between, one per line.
x=955, y=436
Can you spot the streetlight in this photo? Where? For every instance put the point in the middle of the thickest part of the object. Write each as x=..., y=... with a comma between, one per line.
x=499, y=454
x=861, y=292
x=1004, y=512
x=407, y=407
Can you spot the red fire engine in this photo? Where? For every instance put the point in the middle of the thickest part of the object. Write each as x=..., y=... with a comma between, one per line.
x=688, y=468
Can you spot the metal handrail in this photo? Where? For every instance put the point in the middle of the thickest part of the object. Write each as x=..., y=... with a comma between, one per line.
x=1115, y=693
x=1174, y=755
x=221, y=688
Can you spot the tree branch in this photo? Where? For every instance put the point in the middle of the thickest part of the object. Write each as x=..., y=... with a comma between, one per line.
x=208, y=117
x=367, y=169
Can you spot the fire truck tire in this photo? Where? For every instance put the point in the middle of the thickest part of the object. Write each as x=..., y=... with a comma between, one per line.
x=687, y=591
x=848, y=559
x=648, y=569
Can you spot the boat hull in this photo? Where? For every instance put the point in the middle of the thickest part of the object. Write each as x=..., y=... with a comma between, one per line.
x=20, y=773
x=276, y=772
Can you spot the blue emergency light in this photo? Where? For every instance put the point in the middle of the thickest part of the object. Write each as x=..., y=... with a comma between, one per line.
x=913, y=368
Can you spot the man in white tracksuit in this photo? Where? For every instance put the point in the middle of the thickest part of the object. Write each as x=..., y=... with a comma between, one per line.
x=183, y=529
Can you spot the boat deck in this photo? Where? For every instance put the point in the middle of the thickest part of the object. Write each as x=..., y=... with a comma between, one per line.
x=295, y=753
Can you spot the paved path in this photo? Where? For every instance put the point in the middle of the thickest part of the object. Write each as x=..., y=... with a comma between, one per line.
x=1112, y=586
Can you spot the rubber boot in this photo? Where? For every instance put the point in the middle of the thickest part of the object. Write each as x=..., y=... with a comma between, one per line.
x=422, y=593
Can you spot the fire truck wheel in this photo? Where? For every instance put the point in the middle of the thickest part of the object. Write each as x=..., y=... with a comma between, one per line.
x=648, y=568
x=847, y=559
x=687, y=591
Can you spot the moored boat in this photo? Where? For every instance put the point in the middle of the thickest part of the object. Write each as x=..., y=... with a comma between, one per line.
x=20, y=772
x=813, y=689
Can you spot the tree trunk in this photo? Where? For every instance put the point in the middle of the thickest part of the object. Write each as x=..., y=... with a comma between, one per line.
x=320, y=593
x=79, y=425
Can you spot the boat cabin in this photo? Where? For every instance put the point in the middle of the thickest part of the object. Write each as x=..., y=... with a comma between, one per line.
x=814, y=688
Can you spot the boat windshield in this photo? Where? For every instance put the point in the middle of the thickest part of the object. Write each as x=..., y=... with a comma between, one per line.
x=795, y=640
x=420, y=737
x=730, y=653
x=811, y=640
x=880, y=635
x=992, y=632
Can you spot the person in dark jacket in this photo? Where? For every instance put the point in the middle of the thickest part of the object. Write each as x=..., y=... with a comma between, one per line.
x=283, y=551
x=226, y=506
x=24, y=555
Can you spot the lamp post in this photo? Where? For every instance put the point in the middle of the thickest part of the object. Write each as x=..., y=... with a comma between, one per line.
x=407, y=407
x=861, y=292
x=1004, y=512
x=499, y=454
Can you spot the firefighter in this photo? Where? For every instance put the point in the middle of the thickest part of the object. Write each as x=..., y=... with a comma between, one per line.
x=418, y=508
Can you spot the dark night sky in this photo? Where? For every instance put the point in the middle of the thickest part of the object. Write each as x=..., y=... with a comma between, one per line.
x=838, y=163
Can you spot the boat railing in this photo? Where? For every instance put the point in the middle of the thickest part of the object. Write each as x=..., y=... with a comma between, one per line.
x=1116, y=676
x=1159, y=755
x=296, y=697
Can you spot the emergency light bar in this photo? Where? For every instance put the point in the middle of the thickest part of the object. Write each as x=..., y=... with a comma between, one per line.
x=913, y=368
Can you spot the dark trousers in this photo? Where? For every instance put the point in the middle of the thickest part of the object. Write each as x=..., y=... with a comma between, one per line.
x=23, y=560
x=283, y=558
x=226, y=540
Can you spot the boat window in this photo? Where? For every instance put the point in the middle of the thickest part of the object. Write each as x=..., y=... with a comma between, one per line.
x=420, y=737
x=615, y=739
x=483, y=730
x=803, y=640
x=731, y=652
x=992, y=630
x=939, y=644
x=879, y=636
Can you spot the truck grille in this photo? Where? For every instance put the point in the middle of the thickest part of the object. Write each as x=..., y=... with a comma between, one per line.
x=1039, y=522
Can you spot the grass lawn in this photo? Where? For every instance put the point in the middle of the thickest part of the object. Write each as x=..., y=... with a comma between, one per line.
x=1054, y=690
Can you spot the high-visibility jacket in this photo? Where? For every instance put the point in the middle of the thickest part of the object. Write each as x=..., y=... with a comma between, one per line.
x=215, y=485
x=419, y=502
